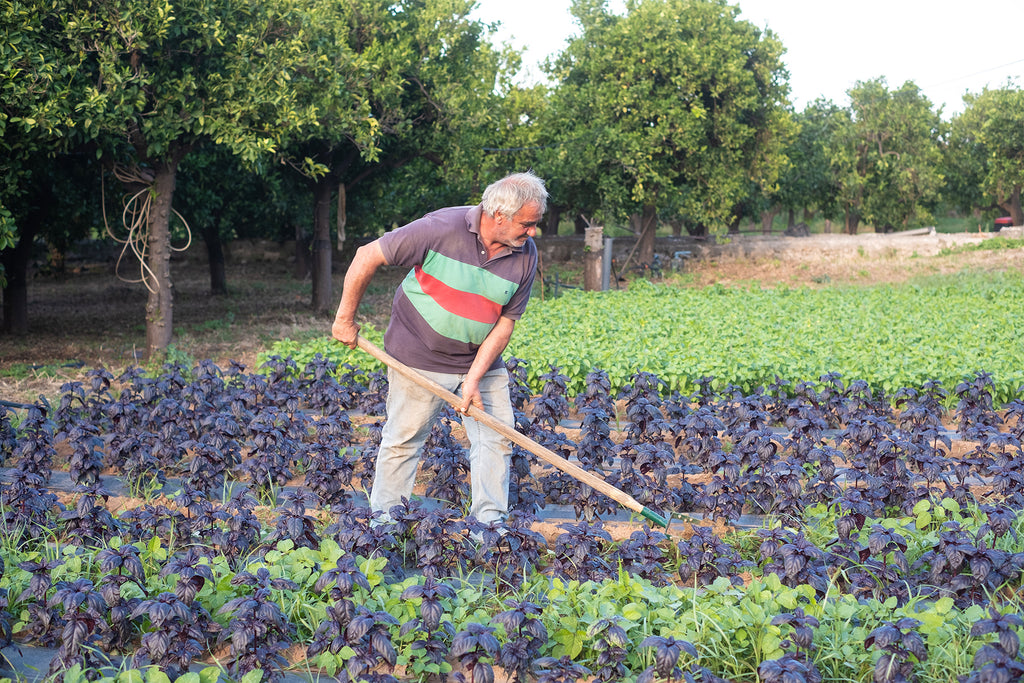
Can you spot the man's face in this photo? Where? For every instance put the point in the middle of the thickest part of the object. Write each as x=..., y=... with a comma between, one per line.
x=513, y=231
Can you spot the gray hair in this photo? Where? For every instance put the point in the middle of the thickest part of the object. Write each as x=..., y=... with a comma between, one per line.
x=513, y=192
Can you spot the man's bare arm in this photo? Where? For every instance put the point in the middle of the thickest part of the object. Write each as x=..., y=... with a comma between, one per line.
x=368, y=259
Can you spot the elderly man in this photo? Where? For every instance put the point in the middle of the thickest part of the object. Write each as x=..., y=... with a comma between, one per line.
x=472, y=268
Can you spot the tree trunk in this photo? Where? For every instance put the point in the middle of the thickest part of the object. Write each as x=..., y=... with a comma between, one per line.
x=554, y=217
x=593, y=253
x=321, y=251
x=646, y=223
x=697, y=229
x=215, y=257
x=342, y=218
x=767, y=218
x=580, y=224
x=677, y=227
x=160, y=304
x=15, y=262
x=791, y=218
x=1013, y=207
x=302, y=266
x=851, y=223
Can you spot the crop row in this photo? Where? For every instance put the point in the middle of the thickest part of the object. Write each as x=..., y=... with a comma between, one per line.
x=171, y=603
x=890, y=336
x=723, y=453
x=885, y=528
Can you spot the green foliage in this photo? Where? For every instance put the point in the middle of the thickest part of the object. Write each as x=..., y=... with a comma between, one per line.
x=808, y=180
x=885, y=155
x=890, y=336
x=399, y=118
x=328, y=347
x=167, y=76
x=36, y=103
x=992, y=244
x=985, y=162
x=676, y=104
x=150, y=674
x=731, y=626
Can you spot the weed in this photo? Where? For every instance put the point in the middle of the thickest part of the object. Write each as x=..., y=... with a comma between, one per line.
x=216, y=324
x=991, y=244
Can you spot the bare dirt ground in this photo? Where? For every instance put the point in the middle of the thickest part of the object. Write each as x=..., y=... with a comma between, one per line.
x=90, y=318
x=836, y=259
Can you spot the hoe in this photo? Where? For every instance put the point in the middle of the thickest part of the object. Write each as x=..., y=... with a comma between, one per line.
x=591, y=480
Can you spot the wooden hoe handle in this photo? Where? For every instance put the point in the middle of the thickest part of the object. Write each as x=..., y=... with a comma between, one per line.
x=588, y=478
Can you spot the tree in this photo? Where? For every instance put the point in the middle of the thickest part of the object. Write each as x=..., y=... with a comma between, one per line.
x=807, y=183
x=36, y=85
x=886, y=156
x=226, y=198
x=426, y=77
x=985, y=156
x=677, y=106
x=165, y=77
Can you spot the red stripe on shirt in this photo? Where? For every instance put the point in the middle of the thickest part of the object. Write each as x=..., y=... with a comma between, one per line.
x=464, y=304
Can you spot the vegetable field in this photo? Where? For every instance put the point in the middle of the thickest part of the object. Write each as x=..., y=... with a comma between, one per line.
x=888, y=336
x=886, y=546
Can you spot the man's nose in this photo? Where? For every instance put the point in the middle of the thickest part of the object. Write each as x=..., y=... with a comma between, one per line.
x=532, y=231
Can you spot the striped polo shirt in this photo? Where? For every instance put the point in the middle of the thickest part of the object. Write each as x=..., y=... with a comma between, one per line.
x=453, y=295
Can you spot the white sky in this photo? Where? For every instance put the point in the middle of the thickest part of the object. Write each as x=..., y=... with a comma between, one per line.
x=945, y=47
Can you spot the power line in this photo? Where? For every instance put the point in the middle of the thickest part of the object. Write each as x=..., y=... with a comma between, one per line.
x=976, y=73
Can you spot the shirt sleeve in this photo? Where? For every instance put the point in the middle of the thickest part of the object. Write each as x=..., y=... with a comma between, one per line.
x=407, y=246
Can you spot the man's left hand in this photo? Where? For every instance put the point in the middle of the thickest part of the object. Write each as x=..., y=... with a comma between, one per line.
x=471, y=397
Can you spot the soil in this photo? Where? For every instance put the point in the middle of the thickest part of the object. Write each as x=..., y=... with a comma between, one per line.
x=87, y=316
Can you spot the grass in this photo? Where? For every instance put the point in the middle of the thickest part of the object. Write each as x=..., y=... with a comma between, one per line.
x=25, y=371
x=993, y=244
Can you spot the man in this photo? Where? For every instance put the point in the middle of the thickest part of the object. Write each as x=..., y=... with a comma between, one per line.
x=452, y=316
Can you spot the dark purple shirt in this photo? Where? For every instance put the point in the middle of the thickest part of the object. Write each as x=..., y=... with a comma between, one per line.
x=454, y=294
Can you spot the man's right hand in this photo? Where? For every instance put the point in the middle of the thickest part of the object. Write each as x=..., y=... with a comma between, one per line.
x=345, y=332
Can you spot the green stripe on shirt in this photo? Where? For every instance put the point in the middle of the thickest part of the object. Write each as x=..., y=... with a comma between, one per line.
x=469, y=278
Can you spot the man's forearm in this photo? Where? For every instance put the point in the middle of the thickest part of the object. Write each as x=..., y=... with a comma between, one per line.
x=489, y=351
x=367, y=260
x=491, y=348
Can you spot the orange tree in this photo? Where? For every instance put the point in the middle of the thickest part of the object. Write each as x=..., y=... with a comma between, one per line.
x=885, y=155
x=163, y=77
x=36, y=116
x=674, y=106
x=985, y=155
x=424, y=82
